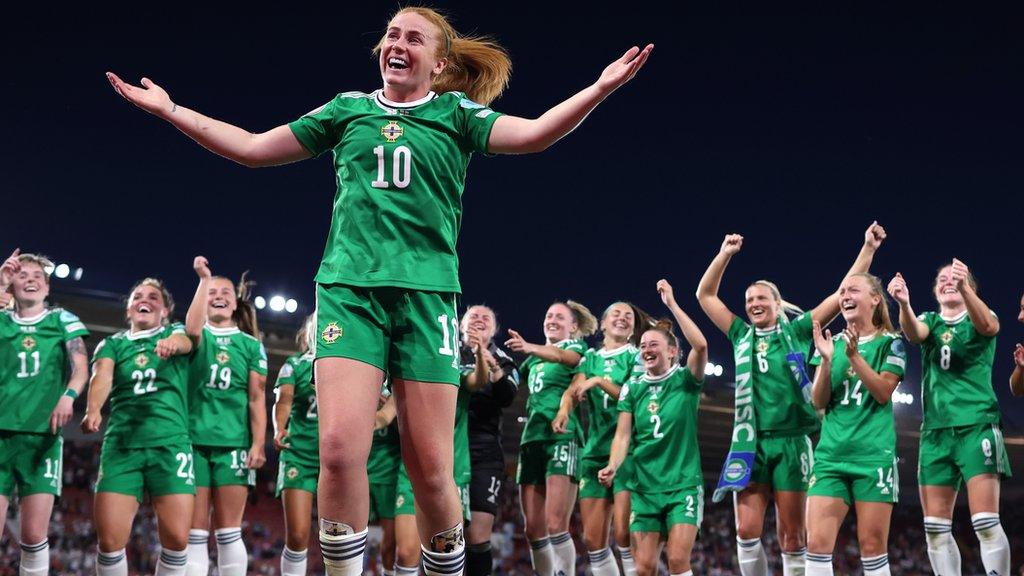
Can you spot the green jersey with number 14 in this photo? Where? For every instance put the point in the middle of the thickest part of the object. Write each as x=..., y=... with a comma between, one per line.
x=401, y=169
x=618, y=366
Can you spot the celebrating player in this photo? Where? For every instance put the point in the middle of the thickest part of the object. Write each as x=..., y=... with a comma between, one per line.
x=658, y=417
x=598, y=381
x=296, y=439
x=770, y=354
x=43, y=370
x=401, y=155
x=547, y=473
x=961, y=437
x=855, y=461
x=1017, y=377
x=227, y=417
x=146, y=446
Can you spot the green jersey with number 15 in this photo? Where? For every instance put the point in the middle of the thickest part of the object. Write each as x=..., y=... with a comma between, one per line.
x=546, y=382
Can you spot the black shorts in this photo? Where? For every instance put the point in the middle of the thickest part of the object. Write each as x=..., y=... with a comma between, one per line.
x=485, y=487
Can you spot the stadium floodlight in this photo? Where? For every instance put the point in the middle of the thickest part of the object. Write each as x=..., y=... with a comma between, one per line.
x=78, y=274
x=709, y=369
x=62, y=270
x=277, y=303
x=260, y=302
x=48, y=269
x=719, y=370
x=291, y=306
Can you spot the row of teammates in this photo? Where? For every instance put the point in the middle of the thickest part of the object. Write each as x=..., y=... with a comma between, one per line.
x=198, y=388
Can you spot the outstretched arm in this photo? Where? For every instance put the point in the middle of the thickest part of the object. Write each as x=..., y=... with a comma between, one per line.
x=514, y=135
x=698, y=357
x=981, y=316
x=273, y=147
x=915, y=330
x=707, y=290
x=195, y=318
x=829, y=308
x=545, y=352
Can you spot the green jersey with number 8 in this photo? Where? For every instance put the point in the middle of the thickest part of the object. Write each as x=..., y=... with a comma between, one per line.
x=956, y=373
x=546, y=382
x=148, y=405
x=219, y=393
x=401, y=169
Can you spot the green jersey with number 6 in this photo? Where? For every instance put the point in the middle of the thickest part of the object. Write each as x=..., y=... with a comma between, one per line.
x=857, y=428
x=666, y=455
x=618, y=366
x=956, y=373
x=401, y=169
x=148, y=397
x=546, y=382
x=303, y=434
x=34, y=366
x=219, y=393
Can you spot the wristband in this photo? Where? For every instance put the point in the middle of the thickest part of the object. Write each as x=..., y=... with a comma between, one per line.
x=70, y=393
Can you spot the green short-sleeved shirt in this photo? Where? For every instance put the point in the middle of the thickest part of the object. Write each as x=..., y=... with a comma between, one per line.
x=303, y=431
x=619, y=366
x=546, y=382
x=219, y=392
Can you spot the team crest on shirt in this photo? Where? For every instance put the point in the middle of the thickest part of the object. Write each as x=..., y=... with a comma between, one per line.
x=392, y=131
x=762, y=346
x=293, y=473
x=28, y=342
x=399, y=501
x=653, y=407
x=223, y=357
x=812, y=481
x=946, y=337
x=331, y=333
x=141, y=360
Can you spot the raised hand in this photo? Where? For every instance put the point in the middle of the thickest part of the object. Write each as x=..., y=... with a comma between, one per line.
x=874, y=236
x=852, y=340
x=732, y=244
x=622, y=70
x=9, y=268
x=665, y=291
x=960, y=274
x=823, y=342
x=149, y=96
x=1018, y=355
x=517, y=343
x=898, y=289
x=202, y=267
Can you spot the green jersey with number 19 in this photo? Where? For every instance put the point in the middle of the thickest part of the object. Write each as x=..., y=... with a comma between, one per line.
x=34, y=366
x=148, y=397
x=303, y=434
x=956, y=373
x=401, y=169
x=219, y=393
x=666, y=455
x=618, y=366
x=856, y=428
x=546, y=382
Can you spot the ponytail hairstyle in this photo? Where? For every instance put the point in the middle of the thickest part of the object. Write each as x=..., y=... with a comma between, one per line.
x=245, y=311
x=164, y=293
x=586, y=323
x=664, y=327
x=880, y=316
x=477, y=65
x=784, y=306
x=305, y=337
x=642, y=321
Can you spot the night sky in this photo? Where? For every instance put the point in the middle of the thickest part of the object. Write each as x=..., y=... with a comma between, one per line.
x=795, y=128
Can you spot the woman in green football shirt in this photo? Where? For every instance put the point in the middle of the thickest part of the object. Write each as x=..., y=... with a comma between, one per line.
x=598, y=381
x=400, y=156
x=43, y=368
x=855, y=460
x=146, y=446
x=227, y=417
x=658, y=416
x=770, y=352
x=547, y=471
x=961, y=437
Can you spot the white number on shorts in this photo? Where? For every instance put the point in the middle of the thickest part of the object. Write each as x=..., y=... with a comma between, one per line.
x=690, y=511
x=146, y=376
x=884, y=480
x=184, y=465
x=762, y=363
x=52, y=468
x=561, y=454
x=224, y=382
x=605, y=399
x=857, y=395
x=24, y=356
x=657, y=426
x=495, y=487
x=986, y=447
x=805, y=465
x=450, y=339
x=238, y=458
x=401, y=167
x=311, y=413
x=944, y=356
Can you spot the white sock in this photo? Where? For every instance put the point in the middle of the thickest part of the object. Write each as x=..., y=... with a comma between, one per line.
x=406, y=570
x=602, y=563
x=343, y=553
x=687, y=573
x=995, y=547
x=172, y=563
x=628, y=564
x=753, y=560
x=35, y=559
x=232, y=557
x=819, y=564
x=389, y=572
x=793, y=563
x=543, y=557
x=198, y=553
x=452, y=560
x=943, y=553
x=111, y=564
x=565, y=553
x=294, y=563
x=876, y=565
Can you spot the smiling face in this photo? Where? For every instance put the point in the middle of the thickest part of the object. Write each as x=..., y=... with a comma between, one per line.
x=945, y=290
x=656, y=352
x=559, y=323
x=410, y=56
x=221, y=301
x=146, y=308
x=30, y=285
x=761, y=306
x=617, y=323
x=481, y=320
x=857, y=300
